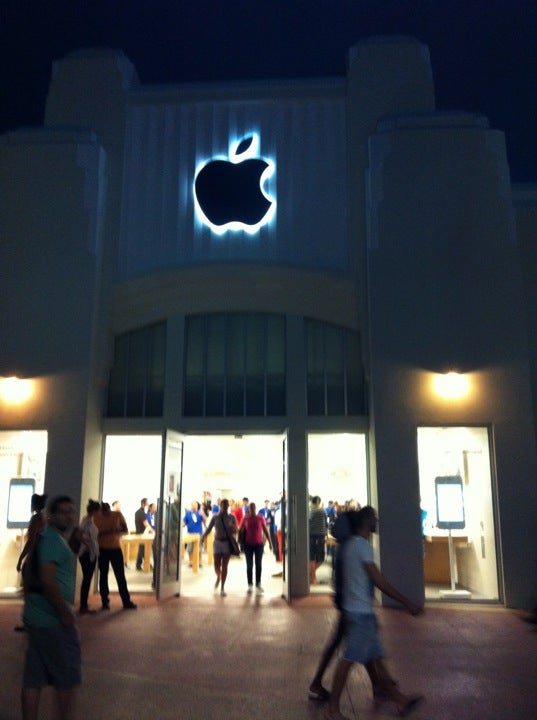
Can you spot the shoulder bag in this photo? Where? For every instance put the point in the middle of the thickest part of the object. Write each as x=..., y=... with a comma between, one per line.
x=234, y=547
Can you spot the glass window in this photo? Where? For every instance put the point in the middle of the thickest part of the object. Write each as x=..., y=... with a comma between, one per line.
x=136, y=383
x=335, y=384
x=235, y=365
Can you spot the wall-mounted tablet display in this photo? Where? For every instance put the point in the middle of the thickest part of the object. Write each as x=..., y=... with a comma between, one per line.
x=19, y=506
x=449, y=502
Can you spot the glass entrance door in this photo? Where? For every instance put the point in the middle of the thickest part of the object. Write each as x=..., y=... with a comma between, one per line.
x=288, y=525
x=167, y=553
x=147, y=467
x=338, y=475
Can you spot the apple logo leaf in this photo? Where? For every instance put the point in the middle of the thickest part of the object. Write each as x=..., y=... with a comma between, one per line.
x=244, y=145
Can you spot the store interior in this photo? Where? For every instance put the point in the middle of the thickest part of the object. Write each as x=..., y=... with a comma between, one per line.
x=460, y=563
x=232, y=466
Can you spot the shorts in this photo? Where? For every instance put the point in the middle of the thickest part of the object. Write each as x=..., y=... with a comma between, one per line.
x=317, y=552
x=361, y=636
x=53, y=657
x=221, y=547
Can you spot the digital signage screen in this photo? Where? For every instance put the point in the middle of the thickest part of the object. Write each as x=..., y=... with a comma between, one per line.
x=449, y=503
x=19, y=506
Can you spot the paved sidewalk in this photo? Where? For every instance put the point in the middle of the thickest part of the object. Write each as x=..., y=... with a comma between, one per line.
x=245, y=657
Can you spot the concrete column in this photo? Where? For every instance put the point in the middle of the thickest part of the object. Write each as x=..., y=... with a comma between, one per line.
x=445, y=292
x=298, y=540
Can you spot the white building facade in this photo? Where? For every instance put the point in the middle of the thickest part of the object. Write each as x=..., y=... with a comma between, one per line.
x=300, y=261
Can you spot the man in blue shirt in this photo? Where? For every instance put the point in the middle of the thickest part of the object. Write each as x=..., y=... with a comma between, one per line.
x=194, y=523
x=267, y=516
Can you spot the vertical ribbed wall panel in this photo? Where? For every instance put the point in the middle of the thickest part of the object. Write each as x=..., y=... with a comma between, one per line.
x=166, y=143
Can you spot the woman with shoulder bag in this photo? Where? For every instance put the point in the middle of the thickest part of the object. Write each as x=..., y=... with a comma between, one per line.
x=225, y=529
x=253, y=528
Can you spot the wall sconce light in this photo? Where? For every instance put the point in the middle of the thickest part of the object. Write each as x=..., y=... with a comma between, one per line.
x=451, y=385
x=15, y=391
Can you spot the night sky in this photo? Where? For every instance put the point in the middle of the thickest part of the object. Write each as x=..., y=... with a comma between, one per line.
x=483, y=52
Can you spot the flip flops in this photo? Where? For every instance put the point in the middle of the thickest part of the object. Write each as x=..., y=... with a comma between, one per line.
x=320, y=694
x=411, y=704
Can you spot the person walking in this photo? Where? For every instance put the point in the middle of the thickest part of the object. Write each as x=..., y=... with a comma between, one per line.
x=111, y=526
x=37, y=524
x=254, y=528
x=224, y=524
x=360, y=632
x=53, y=655
x=88, y=553
x=341, y=533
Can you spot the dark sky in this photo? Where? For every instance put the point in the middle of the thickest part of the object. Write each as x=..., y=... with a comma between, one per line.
x=483, y=52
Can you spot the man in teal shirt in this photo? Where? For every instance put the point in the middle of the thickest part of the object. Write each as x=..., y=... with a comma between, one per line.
x=53, y=653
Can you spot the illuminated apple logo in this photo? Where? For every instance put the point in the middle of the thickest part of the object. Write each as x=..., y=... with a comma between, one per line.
x=229, y=193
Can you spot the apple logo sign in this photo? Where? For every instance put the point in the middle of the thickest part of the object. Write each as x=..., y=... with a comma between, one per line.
x=229, y=193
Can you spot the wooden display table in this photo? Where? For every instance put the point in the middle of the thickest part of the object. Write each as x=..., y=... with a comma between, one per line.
x=193, y=538
x=209, y=542
x=133, y=540
x=436, y=561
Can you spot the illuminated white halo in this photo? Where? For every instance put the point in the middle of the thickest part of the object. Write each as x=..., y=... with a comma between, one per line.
x=234, y=157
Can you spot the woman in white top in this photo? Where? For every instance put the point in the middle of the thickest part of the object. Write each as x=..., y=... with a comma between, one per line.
x=88, y=553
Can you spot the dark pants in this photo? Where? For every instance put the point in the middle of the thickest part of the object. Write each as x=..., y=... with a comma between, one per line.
x=273, y=540
x=88, y=568
x=252, y=551
x=140, y=556
x=112, y=557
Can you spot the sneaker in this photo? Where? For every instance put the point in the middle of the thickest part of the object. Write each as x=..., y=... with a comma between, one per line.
x=259, y=590
x=223, y=593
x=250, y=589
x=130, y=606
x=86, y=611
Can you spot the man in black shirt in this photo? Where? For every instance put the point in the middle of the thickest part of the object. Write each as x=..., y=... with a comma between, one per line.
x=140, y=524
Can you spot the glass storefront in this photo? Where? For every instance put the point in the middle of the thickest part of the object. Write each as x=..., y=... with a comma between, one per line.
x=459, y=542
x=22, y=472
x=232, y=466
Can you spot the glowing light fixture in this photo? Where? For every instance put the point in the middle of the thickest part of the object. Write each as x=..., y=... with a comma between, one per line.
x=15, y=391
x=451, y=385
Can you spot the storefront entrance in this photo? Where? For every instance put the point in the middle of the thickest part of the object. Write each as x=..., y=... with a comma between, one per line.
x=231, y=466
x=459, y=539
x=202, y=469
x=338, y=475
